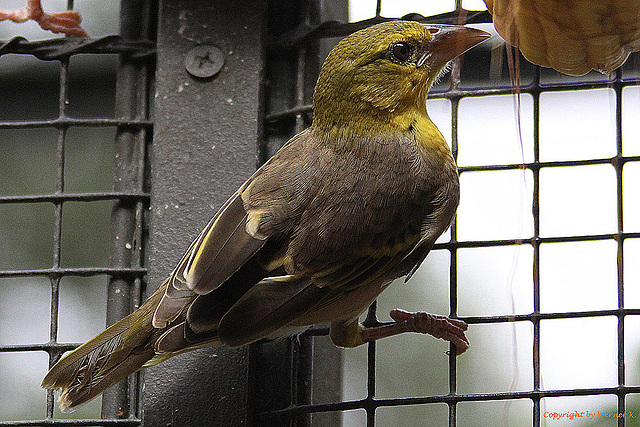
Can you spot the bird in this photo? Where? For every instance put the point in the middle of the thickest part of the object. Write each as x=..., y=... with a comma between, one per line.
x=62, y=22
x=346, y=206
x=572, y=37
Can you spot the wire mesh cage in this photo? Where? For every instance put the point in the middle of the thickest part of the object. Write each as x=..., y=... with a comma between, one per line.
x=530, y=257
x=76, y=164
x=540, y=260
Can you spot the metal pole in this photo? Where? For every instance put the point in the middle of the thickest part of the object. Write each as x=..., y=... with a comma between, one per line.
x=206, y=134
x=126, y=216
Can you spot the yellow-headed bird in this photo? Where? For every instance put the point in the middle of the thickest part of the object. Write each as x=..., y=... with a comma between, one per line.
x=346, y=206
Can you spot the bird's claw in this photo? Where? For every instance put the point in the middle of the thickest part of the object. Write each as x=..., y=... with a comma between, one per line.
x=62, y=22
x=451, y=330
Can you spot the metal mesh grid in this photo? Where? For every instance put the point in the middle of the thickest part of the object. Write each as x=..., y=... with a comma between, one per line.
x=298, y=114
x=135, y=125
x=130, y=196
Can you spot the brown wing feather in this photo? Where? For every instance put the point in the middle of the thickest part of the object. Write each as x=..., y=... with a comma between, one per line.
x=217, y=253
x=172, y=303
x=224, y=246
x=348, y=232
x=312, y=211
x=268, y=306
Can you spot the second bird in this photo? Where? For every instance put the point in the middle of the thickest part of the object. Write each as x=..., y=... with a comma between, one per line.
x=348, y=205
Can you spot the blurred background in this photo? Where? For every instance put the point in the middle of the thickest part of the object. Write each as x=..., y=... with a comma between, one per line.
x=491, y=280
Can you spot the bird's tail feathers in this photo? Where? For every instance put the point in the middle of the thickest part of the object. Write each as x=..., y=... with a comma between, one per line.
x=111, y=356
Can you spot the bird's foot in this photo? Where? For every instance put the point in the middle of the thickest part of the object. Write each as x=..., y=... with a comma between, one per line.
x=451, y=330
x=62, y=22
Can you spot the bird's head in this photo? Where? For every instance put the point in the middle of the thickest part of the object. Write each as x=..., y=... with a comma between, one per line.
x=386, y=69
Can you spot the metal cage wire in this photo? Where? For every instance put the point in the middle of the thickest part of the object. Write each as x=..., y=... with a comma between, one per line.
x=618, y=81
x=130, y=196
x=134, y=128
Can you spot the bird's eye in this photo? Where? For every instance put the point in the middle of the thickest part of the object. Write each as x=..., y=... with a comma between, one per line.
x=401, y=51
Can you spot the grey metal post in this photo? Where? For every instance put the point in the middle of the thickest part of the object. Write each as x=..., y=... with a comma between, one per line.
x=206, y=133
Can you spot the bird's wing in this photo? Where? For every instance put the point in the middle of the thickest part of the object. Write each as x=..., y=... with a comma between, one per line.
x=242, y=311
x=232, y=237
x=268, y=306
x=221, y=249
x=217, y=253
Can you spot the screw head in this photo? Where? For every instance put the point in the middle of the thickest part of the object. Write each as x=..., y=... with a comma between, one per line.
x=204, y=61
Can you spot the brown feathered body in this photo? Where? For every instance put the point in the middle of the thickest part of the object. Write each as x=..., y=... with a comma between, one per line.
x=300, y=273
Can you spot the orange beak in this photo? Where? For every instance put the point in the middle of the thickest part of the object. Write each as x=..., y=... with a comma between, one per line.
x=448, y=42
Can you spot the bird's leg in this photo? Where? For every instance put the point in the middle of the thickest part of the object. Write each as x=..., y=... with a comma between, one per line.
x=346, y=334
x=63, y=22
x=425, y=323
